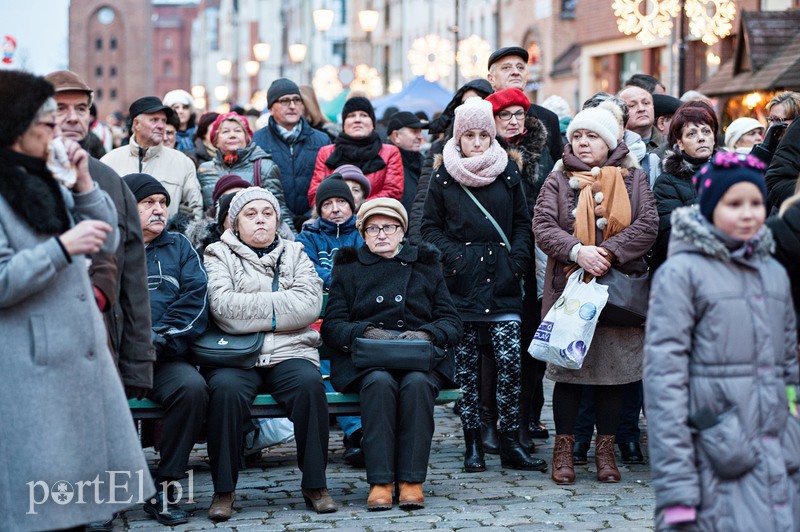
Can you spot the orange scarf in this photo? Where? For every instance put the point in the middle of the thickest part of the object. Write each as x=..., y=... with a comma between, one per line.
x=603, y=203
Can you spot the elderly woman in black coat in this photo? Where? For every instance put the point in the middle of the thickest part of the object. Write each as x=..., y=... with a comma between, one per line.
x=388, y=289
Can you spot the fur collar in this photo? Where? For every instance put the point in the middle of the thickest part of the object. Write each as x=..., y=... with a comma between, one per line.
x=423, y=253
x=674, y=164
x=692, y=232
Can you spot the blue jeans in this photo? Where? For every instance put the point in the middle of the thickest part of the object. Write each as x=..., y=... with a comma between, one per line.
x=349, y=424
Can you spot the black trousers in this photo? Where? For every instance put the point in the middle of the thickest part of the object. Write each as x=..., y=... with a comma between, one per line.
x=182, y=391
x=608, y=406
x=397, y=420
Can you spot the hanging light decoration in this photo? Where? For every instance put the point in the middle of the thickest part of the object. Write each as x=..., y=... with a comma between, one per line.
x=326, y=82
x=431, y=56
x=473, y=56
x=654, y=22
x=709, y=27
x=368, y=81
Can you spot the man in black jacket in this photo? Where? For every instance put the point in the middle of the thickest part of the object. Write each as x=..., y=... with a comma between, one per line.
x=405, y=132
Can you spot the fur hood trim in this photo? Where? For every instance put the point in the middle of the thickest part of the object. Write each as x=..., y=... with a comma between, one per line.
x=629, y=162
x=692, y=232
x=675, y=165
x=515, y=155
x=423, y=252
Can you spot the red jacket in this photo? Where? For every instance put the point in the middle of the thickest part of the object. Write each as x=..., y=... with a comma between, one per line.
x=385, y=183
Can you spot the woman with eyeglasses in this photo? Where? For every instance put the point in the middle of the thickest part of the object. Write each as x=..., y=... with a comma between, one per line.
x=389, y=289
x=784, y=166
x=359, y=144
x=65, y=415
x=476, y=215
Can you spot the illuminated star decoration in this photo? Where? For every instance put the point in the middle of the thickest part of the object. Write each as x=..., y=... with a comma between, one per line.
x=654, y=22
x=326, y=82
x=431, y=56
x=368, y=81
x=473, y=56
x=707, y=27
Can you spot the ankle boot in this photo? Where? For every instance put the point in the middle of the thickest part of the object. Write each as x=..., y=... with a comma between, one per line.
x=514, y=456
x=489, y=438
x=604, y=459
x=411, y=495
x=380, y=497
x=563, y=465
x=473, y=458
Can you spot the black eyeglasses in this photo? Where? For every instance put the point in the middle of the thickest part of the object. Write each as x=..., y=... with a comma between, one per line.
x=388, y=230
x=777, y=120
x=286, y=102
x=505, y=116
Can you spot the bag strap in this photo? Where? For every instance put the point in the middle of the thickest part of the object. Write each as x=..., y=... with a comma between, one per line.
x=489, y=216
x=257, y=172
x=276, y=286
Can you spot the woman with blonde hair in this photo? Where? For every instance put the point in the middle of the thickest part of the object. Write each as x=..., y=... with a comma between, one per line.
x=314, y=115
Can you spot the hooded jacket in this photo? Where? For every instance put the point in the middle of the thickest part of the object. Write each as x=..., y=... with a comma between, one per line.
x=321, y=240
x=721, y=336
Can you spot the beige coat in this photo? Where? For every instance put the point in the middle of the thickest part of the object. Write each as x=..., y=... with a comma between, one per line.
x=242, y=301
x=172, y=168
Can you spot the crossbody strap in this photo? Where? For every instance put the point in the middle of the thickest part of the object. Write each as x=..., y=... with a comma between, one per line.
x=257, y=172
x=276, y=286
x=488, y=216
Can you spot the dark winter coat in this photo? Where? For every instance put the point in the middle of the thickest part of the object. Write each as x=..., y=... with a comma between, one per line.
x=321, y=240
x=550, y=121
x=785, y=167
x=721, y=336
x=128, y=321
x=786, y=231
x=178, y=294
x=481, y=274
x=535, y=161
x=404, y=293
x=673, y=189
x=418, y=205
x=295, y=160
x=412, y=167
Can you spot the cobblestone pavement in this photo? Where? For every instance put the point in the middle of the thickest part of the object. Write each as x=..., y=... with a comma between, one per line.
x=268, y=494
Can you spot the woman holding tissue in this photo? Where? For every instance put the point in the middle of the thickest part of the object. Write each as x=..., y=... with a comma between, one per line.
x=70, y=420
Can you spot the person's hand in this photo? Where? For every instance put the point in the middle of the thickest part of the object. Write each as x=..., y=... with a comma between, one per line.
x=80, y=161
x=415, y=335
x=594, y=260
x=766, y=149
x=374, y=333
x=136, y=392
x=86, y=238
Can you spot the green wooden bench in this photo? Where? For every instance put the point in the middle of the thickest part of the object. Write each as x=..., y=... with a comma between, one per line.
x=265, y=406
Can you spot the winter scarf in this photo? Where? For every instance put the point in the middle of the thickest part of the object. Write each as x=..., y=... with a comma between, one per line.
x=477, y=171
x=361, y=152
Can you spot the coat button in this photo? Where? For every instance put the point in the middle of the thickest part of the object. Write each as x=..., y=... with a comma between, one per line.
x=82, y=297
x=345, y=348
x=400, y=323
x=486, y=311
x=90, y=355
x=380, y=324
x=398, y=298
x=488, y=280
x=379, y=299
x=403, y=263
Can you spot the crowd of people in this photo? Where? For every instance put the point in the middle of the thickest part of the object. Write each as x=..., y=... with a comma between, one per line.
x=438, y=256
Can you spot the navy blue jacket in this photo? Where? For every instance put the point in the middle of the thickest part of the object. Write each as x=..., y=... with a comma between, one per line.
x=178, y=287
x=296, y=161
x=321, y=239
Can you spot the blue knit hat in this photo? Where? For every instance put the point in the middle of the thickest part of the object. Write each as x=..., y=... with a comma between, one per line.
x=723, y=171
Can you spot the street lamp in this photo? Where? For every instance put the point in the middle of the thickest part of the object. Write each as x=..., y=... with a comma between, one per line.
x=261, y=51
x=297, y=52
x=252, y=68
x=368, y=20
x=224, y=67
x=323, y=19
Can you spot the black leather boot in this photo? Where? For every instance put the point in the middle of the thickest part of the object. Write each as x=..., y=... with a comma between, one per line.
x=473, y=458
x=488, y=406
x=512, y=454
x=525, y=426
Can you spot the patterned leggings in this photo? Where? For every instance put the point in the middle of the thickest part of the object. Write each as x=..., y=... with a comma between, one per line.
x=505, y=337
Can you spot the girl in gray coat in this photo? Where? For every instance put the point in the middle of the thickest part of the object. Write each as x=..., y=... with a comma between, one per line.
x=720, y=362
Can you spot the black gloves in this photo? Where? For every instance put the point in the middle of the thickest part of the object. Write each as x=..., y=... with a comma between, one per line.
x=766, y=149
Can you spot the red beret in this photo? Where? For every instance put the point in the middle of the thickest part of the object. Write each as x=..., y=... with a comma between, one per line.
x=506, y=98
x=236, y=117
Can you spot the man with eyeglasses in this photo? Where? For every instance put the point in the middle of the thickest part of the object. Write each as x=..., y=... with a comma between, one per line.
x=405, y=132
x=177, y=286
x=293, y=145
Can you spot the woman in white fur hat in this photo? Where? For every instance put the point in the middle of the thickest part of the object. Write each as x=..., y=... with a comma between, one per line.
x=595, y=212
x=742, y=134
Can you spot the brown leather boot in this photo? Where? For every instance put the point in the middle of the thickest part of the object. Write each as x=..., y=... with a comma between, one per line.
x=411, y=496
x=604, y=459
x=221, y=506
x=380, y=497
x=563, y=466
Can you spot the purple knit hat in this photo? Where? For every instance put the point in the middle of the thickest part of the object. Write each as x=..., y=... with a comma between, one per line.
x=475, y=113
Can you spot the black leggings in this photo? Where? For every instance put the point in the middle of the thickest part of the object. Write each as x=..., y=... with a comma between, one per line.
x=608, y=407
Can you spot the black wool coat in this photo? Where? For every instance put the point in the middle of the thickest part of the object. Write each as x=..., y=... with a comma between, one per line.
x=404, y=293
x=782, y=173
x=482, y=276
x=786, y=231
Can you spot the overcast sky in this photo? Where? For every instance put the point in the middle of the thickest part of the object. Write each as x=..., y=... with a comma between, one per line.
x=40, y=29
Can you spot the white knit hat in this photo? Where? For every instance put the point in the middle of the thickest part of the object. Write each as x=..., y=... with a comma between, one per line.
x=738, y=128
x=600, y=121
x=475, y=113
x=179, y=96
x=243, y=197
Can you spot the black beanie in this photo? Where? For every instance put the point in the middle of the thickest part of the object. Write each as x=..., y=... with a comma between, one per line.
x=723, y=171
x=281, y=87
x=334, y=186
x=145, y=185
x=223, y=207
x=358, y=103
x=21, y=97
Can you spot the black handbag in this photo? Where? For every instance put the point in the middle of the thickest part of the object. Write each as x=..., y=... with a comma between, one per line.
x=410, y=355
x=218, y=349
x=628, y=295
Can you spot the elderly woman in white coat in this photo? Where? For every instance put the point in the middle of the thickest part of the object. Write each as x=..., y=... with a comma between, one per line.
x=64, y=418
x=241, y=270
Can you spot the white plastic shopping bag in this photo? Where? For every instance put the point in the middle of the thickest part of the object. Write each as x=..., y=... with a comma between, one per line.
x=566, y=332
x=269, y=432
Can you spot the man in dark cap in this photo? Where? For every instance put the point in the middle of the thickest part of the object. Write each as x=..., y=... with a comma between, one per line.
x=293, y=144
x=177, y=285
x=664, y=107
x=405, y=131
x=508, y=67
x=146, y=153
x=128, y=320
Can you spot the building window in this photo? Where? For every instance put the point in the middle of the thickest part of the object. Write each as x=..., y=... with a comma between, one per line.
x=98, y=94
x=112, y=71
x=113, y=44
x=98, y=72
x=568, y=8
x=168, y=70
x=98, y=44
x=168, y=43
x=113, y=94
